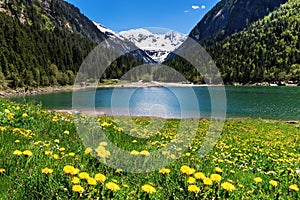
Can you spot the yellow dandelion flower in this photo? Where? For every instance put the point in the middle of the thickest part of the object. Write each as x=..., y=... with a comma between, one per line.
x=75, y=180
x=87, y=151
x=84, y=175
x=105, y=124
x=164, y=171
x=55, y=156
x=100, y=178
x=134, y=141
x=199, y=175
x=191, y=180
x=92, y=181
x=24, y=115
x=10, y=117
x=37, y=142
x=294, y=187
x=218, y=169
x=77, y=188
x=102, y=152
x=55, y=118
x=27, y=153
x=18, y=108
x=173, y=156
x=56, y=140
x=66, y=132
x=258, y=180
x=134, y=152
x=71, y=154
x=47, y=170
x=144, y=152
x=148, y=189
x=70, y=170
x=216, y=178
x=207, y=181
x=48, y=153
x=273, y=183
x=187, y=154
x=187, y=170
x=118, y=170
x=62, y=149
x=112, y=186
x=228, y=186
x=6, y=111
x=46, y=145
x=193, y=188
x=103, y=144
x=76, y=171
x=2, y=170
x=2, y=128
x=17, y=141
x=17, y=152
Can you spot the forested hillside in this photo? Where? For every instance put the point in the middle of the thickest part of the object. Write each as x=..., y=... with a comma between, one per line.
x=268, y=50
x=230, y=16
x=43, y=42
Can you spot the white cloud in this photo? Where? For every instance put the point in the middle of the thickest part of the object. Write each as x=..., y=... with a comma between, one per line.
x=187, y=11
x=203, y=7
x=195, y=7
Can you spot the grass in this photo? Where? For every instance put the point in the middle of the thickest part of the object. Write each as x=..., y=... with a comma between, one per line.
x=253, y=158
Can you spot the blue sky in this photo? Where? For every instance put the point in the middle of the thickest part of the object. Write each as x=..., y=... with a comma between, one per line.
x=119, y=15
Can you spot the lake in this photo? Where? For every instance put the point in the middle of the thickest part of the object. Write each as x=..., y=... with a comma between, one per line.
x=281, y=103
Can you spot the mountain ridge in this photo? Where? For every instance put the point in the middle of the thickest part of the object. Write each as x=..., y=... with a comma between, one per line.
x=157, y=46
x=44, y=42
x=267, y=50
x=230, y=16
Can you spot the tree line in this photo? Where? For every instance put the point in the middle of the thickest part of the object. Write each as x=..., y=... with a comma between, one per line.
x=268, y=50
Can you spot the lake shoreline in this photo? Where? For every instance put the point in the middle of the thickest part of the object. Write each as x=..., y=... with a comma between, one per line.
x=103, y=113
x=54, y=89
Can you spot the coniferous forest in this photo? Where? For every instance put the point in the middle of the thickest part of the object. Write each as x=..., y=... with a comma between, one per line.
x=268, y=50
x=43, y=43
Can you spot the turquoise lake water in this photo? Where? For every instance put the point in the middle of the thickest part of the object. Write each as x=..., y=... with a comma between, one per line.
x=177, y=102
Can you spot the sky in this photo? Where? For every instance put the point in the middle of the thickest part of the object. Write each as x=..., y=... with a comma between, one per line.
x=120, y=15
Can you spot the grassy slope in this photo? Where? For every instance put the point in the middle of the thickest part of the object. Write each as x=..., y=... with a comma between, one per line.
x=245, y=150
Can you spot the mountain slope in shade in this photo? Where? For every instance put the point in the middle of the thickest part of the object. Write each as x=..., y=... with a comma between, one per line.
x=44, y=42
x=268, y=50
x=230, y=16
x=157, y=46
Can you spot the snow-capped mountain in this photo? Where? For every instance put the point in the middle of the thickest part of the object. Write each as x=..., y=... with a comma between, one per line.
x=125, y=44
x=157, y=46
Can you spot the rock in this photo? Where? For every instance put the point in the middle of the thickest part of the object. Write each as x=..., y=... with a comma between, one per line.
x=292, y=122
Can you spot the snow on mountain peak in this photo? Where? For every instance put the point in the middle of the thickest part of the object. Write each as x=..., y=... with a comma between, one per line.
x=155, y=45
x=145, y=39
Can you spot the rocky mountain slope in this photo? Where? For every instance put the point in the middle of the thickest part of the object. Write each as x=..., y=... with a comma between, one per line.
x=230, y=16
x=157, y=46
x=267, y=50
x=125, y=44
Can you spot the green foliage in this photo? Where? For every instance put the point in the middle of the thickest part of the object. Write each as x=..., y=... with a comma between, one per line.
x=268, y=50
x=45, y=42
x=247, y=149
x=230, y=16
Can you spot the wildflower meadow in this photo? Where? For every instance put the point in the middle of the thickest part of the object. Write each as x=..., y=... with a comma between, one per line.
x=43, y=157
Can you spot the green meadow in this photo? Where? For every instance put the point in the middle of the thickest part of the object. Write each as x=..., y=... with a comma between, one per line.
x=42, y=156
